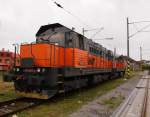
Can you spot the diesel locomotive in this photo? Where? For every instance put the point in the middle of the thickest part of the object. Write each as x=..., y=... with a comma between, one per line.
x=62, y=60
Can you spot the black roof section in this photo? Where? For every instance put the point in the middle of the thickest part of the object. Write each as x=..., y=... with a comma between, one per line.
x=46, y=27
x=56, y=25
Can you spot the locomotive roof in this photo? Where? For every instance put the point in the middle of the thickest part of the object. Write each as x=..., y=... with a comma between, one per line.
x=57, y=25
x=46, y=27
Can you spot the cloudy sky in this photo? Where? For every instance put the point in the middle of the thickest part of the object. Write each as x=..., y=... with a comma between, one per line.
x=20, y=20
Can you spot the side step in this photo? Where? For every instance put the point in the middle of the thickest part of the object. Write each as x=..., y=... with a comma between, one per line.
x=61, y=91
x=61, y=85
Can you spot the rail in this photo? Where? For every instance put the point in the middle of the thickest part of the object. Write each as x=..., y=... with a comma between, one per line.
x=137, y=104
x=145, y=102
x=16, y=105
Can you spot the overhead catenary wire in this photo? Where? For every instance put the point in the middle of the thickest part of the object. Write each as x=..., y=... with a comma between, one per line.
x=102, y=28
x=138, y=29
x=76, y=17
x=91, y=29
x=135, y=27
x=107, y=38
x=138, y=22
x=141, y=30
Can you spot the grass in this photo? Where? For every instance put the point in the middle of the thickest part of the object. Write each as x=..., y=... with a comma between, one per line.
x=113, y=102
x=62, y=107
x=6, y=90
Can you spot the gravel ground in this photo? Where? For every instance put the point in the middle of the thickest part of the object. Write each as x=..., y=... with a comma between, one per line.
x=103, y=106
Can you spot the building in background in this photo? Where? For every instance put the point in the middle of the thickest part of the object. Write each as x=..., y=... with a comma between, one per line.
x=133, y=64
x=7, y=60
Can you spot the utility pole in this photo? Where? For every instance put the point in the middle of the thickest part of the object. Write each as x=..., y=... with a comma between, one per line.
x=15, y=55
x=138, y=31
x=140, y=53
x=83, y=31
x=128, y=54
x=16, y=48
x=114, y=59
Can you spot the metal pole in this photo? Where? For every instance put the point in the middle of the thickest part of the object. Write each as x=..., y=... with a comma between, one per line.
x=140, y=53
x=128, y=54
x=15, y=57
x=83, y=31
x=114, y=59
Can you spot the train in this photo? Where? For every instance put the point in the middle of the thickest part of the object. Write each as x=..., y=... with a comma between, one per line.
x=7, y=60
x=62, y=60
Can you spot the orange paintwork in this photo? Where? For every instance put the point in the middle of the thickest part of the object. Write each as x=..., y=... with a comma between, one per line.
x=49, y=55
x=44, y=55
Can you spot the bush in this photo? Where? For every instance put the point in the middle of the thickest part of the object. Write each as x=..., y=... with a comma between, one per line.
x=145, y=67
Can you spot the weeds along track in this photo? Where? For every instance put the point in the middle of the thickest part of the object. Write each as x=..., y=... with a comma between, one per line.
x=17, y=105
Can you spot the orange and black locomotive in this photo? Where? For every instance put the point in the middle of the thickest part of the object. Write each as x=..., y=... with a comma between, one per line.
x=62, y=60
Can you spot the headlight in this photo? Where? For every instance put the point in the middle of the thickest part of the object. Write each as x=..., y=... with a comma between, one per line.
x=38, y=69
x=17, y=69
x=43, y=70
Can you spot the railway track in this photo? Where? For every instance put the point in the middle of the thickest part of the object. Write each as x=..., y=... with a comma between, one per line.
x=145, y=101
x=138, y=103
x=16, y=105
